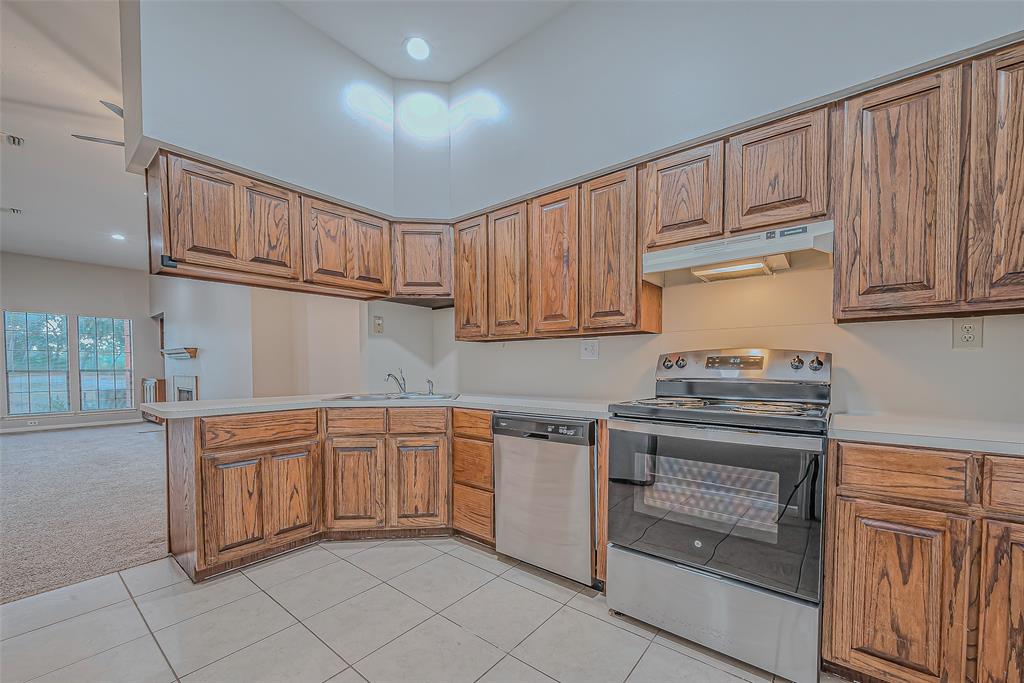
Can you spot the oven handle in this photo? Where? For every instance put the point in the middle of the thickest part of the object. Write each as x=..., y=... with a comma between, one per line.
x=744, y=437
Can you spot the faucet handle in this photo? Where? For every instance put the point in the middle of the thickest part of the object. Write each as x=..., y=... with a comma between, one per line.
x=430, y=386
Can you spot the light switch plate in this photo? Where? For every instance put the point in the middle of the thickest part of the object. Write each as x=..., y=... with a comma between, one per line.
x=378, y=325
x=589, y=349
x=968, y=333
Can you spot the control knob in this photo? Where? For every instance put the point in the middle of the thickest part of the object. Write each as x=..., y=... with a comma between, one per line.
x=815, y=364
x=680, y=362
x=667, y=363
x=796, y=363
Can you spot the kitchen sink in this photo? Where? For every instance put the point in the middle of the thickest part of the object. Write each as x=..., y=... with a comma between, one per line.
x=396, y=396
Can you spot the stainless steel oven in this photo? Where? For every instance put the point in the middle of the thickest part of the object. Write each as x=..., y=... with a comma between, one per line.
x=715, y=504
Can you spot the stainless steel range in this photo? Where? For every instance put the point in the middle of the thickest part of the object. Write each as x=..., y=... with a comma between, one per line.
x=715, y=503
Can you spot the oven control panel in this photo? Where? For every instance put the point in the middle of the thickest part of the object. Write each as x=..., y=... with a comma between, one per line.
x=800, y=365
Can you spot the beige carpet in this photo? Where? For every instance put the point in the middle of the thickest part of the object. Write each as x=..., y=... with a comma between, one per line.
x=79, y=503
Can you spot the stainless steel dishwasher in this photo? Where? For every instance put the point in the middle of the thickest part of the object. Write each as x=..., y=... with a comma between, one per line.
x=544, y=492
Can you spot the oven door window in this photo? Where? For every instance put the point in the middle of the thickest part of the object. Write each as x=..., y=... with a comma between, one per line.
x=751, y=512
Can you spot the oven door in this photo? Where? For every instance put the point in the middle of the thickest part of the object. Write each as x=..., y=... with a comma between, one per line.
x=741, y=503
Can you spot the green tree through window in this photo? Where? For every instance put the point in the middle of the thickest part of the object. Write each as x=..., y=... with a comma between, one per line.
x=105, y=363
x=37, y=363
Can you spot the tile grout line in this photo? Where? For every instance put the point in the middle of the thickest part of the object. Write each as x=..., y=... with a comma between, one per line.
x=61, y=621
x=198, y=614
x=149, y=629
x=95, y=654
x=637, y=662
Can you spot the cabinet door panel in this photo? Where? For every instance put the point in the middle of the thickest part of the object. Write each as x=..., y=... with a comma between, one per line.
x=270, y=241
x=554, y=261
x=234, y=505
x=778, y=173
x=369, y=253
x=508, y=303
x=294, y=493
x=996, y=228
x=423, y=259
x=470, y=290
x=473, y=512
x=204, y=223
x=417, y=481
x=900, y=591
x=1001, y=622
x=897, y=235
x=345, y=248
x=681, y=196
x=608, y=251
x=355, y=483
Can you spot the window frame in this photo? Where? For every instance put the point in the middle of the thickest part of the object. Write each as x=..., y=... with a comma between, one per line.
x=130, y=354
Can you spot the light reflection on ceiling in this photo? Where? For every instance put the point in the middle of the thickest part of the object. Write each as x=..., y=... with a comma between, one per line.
x=421, y=115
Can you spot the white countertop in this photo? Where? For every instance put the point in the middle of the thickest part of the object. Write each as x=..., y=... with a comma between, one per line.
x=563, y=407
x=909, y=430
x=984, y=436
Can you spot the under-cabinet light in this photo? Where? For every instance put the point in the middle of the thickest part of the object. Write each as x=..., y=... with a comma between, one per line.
x=741, y=268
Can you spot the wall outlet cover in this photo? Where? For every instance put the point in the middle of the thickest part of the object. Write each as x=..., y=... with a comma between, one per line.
x=968, y=333
x=378, y=325
x=589, y=349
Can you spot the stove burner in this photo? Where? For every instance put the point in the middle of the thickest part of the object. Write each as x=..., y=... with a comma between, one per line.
x=672, y=402
x=779, y=408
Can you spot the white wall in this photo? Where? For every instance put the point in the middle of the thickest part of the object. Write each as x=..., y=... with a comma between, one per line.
x=251, y=84
x=407, y=343
x=904, y=367
x=217, y=319
x=329, y=333
x=608, y=81
x=30, y=283
x=422, y=154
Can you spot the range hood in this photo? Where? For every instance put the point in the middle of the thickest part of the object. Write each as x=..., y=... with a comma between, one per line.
x=770, y=242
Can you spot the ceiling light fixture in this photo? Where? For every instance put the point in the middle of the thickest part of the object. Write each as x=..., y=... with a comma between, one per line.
x=118, y=236
x=417, y=48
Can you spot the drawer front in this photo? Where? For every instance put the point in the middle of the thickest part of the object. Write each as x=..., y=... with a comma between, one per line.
x=911, y=473
x=472, y=463
x=356, y=421
x=473, y=511
x=231, y=431
x=417, y=420
x=1004, y=485
x=474, y=424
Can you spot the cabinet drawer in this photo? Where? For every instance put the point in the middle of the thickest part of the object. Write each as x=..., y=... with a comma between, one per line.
x=911, y=473
x=475, y=424
x=473, y=511
x=417, y=420
x=230, y=431
x=472, y=463
x=356, y=421
x=1004, y=485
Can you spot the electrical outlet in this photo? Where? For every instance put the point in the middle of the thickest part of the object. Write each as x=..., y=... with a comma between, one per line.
x=968, y=333
x=588, y=349
x=32, y=423
x=378, y=325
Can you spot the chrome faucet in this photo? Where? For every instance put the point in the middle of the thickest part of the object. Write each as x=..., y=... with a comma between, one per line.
x=400, y=380
x=430, y=386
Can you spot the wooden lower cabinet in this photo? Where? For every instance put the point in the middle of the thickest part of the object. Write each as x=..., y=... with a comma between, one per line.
x=1001, y=619
x=417, y=474
x=473, y=511
x=900, y=591
x=256, y=498
x=473, y=474
x=355, y=483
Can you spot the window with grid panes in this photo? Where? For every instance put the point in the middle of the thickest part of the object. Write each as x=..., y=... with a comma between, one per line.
x=37, y=363
x=105, y=363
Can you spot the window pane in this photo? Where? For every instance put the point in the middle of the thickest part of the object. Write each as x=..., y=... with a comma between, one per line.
x=105, y=363
x=37, y=362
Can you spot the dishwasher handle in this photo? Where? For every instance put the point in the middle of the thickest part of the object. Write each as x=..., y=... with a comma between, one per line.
x=579, y=432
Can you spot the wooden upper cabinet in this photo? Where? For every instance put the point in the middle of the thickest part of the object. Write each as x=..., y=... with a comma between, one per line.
x=778, y=173
x=995, y=269
x=294, y=493
x=418, y=483
x=609, y=270
x=681, y=196
x=345, y=248
x=900, y=592
x=225, y=220
x=1000, y=640
x=554, y=261
x=896, y=226
x=470, y=286
x=507, y=259
x=423, y=259
x=354, y=483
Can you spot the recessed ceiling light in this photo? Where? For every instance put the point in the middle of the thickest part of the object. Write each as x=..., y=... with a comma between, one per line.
x=118, y=236
x=417, y=48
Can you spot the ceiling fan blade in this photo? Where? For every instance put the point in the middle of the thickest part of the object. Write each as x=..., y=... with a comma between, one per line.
x=105, y=141
x=113, y=107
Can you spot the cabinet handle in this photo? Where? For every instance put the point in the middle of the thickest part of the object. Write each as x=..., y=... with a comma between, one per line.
x=240, y=463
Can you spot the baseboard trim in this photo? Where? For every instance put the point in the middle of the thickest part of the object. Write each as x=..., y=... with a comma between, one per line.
x=48, y=428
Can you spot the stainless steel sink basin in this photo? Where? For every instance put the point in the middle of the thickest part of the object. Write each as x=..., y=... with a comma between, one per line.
x=404, y=396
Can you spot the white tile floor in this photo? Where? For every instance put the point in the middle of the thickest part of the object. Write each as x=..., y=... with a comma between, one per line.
x=437, y=610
